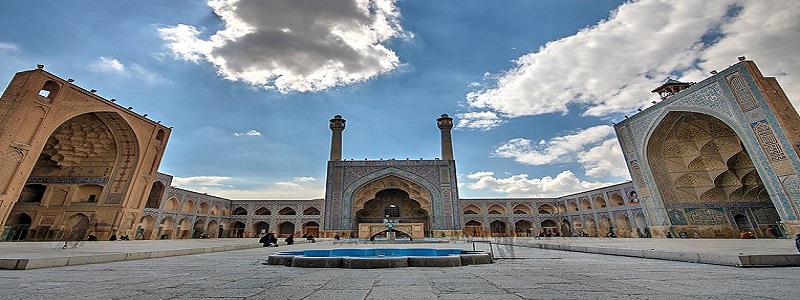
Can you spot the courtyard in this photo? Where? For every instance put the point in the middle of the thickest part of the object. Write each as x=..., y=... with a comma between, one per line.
x=518, y=273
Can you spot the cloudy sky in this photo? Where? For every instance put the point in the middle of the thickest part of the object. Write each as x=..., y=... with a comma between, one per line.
x=249, y=85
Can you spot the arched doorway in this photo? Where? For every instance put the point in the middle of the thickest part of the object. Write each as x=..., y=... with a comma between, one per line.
x=145, y=229
x=623, y=226
x=213, y=229
x=390, y=195
x=577, y=228
x=311, y=228
x=591, y=226
x=473, y=229
x=237, y=230
x=641, y=225
x=702, y=169
x=285, y=229
x=156, y=192
x=549, y=228
x=165, y=228
x=605, y=225
x=261, y=228
x=184, y=228
x=77, y=227
x=32, y=193
x=20, y=224
x=498, y=228
x=742, y=222
x=566, y=228
x=395, y=205
x=197, y=231
x=523, y=228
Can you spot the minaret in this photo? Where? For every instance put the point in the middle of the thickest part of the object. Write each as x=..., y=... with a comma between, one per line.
x=445, y=124
x=337, y=126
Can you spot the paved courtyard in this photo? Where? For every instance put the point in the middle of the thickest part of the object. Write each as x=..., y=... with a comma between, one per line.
x=532, y=274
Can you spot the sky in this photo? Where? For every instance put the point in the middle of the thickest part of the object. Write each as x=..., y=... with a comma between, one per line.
x=533, y=86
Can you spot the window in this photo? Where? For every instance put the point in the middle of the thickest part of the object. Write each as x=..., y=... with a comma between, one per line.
x=392, y=211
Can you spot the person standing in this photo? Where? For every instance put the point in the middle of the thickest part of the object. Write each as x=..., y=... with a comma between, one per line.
x=797, y=242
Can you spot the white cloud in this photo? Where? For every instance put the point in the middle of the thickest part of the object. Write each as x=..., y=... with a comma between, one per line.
x=519, y=185
x=287, y=184
x=604, y=160
x=252, y=132
x=560, y=149
x=768, y=32
x=9, y=47
x=611, y=67
x=249, y=188
x=108, y=65
x=478, y=175
x=200, y=181
x=483, y=120
x=294, y=45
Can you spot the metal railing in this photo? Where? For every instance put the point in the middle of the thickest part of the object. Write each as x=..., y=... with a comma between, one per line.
x=491, y=252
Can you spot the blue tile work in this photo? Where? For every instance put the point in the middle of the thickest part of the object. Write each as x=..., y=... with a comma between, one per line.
x=347, y=177
x=706, y=216
x=68, y=180
x=733, y=97
x=677, y=217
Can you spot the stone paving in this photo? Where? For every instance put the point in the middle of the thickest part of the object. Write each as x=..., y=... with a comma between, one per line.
x=532, y=273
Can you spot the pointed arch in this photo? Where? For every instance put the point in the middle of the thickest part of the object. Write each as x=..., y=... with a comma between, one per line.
x=311, y=211
x=156, y=193
x=497, y=209
x=547, y=209
x=521, y=209
x=472, y=210
x=263, y=211
x=239, y=211
x=287, y=211
x=427, y=194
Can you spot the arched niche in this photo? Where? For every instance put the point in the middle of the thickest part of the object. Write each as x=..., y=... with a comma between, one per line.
x=472, y=210
x=156, y=193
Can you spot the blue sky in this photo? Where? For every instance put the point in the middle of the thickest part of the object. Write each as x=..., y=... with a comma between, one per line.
x=249, y=86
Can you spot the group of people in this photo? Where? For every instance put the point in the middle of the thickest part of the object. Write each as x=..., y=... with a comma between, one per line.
x=270, y=240
x=123, y=237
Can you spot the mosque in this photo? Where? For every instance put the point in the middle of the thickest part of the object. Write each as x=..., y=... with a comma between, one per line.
x=709, y=160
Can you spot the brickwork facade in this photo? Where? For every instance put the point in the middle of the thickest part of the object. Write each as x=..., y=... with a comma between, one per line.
x=72, y=163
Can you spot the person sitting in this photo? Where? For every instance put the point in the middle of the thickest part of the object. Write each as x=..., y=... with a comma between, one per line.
x=336, y=237
x=747, y=235
x=273, y=240
x=310, y=238
x=269, y=240
x=289, y=239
